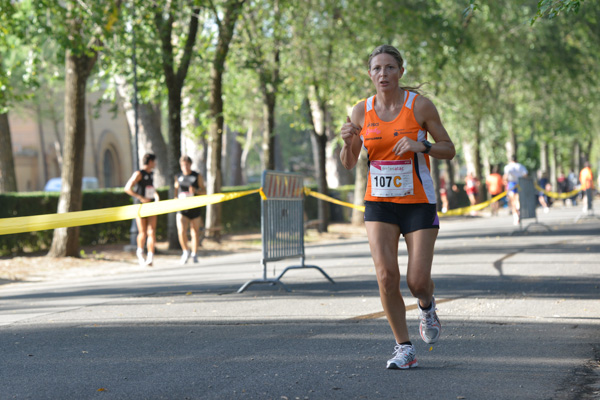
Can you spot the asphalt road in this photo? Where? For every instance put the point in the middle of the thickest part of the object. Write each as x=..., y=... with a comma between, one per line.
x=520, y=315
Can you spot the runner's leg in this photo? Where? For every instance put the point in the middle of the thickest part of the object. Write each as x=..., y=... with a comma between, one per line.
x=182, y=228
x=195, y=233
x=151, y=229
x=383, y=240
x=420, y=245
x=142, y=223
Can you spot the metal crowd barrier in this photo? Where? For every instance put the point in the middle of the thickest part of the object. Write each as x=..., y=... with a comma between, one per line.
x=282, y=224
x=528, y=199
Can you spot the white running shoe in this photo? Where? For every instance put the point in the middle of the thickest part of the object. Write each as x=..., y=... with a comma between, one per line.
x=404, y=357
x=150, y=259
x=140, y=256
x=185, y=256
x=195, y=258
x=430, y=327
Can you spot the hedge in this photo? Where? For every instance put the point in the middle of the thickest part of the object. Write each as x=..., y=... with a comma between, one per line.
x=238, y=215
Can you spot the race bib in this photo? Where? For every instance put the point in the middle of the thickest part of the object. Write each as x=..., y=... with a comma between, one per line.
x=391, y=178
x=183, y=195
x=149, y=192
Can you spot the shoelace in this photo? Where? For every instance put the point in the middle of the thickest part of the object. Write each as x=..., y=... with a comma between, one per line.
x=401, y=350
x=428, y=316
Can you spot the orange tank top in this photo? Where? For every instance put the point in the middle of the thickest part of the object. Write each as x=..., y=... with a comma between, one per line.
x=405, y=179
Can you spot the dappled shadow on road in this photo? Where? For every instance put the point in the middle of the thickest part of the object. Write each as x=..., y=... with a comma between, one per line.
x=303, y=359
x=557, y=229
x=447, y=286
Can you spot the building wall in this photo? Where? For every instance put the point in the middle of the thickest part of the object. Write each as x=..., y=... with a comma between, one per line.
x=107, y=149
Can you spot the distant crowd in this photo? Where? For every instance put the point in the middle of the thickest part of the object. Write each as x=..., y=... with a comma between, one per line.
x=496, y=183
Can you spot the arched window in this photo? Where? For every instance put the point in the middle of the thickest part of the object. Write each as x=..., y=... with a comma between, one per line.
x=109, y=169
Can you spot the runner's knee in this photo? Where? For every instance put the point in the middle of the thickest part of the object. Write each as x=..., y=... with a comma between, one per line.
x=419, y=286
x=389, y=282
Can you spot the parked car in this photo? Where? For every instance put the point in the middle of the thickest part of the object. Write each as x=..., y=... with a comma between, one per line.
x=88, y=182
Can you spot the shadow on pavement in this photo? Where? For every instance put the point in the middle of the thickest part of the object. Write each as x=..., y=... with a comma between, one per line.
x=307, y=359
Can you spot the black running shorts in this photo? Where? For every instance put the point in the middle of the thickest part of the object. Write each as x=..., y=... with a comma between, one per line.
x=409, y=217
x=192, y=213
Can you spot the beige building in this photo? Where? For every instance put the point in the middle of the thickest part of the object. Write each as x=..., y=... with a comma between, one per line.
x=36, y=135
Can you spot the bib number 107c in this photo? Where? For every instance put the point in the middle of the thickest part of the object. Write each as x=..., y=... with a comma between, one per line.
x=391, y=178
x=387, y=181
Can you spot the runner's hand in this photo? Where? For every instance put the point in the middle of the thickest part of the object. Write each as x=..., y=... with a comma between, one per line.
x=405, y=145
x=349, y=131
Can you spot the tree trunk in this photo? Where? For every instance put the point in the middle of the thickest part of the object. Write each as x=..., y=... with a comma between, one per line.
x=337, y=174
x=317, y=113
x=469, y=155
x=214, y=177
x=246, y=151
x=450, y=165
x=322, y=182
x=58, y=147
x=150, y=138
x=174, y=153
x=511, y=145
x=90, y=120
x=553, y=167
x=65, y=242
x=44, y=162
x=191, y=140
x=576, y=160
x=202, y=166
x=235, y=160
x=8, y=178
x=215, y=146
x=174, y=79
x=477, y=161
x=544, y=157
x=269, y=132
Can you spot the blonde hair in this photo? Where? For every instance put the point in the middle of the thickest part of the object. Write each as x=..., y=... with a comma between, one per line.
x=392, y=51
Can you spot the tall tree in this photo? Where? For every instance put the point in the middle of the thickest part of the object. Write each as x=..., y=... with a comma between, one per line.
x=80, y=29
x=165, y=19
x=263, y=29
x=8, y=178
x=11, y=63
x=226, y=19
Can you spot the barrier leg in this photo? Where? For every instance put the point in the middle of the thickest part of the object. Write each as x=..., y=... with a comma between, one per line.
x=301, y=266
x=271, y=281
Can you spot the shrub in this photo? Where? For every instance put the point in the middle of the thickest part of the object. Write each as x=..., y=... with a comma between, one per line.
x=239, y=215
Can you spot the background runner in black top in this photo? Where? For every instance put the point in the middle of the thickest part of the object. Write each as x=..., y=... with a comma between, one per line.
x=189, y=183
x=144, y=192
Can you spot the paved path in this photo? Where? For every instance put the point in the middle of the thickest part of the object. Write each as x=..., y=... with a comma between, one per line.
x=520, y=315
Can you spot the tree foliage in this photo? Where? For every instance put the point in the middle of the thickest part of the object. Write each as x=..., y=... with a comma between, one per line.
x=291, y=69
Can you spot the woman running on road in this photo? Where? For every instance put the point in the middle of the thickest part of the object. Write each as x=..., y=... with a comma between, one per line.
x=392, y=126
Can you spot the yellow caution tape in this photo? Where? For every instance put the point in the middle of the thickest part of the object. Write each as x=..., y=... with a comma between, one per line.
x=456, y=211
x=557, y=195
x=262, y=194
x=90, y=217
x=318, y=195
x=476, y=207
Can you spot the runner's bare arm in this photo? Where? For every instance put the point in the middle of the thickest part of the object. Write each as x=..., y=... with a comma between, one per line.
x=427, y=116
x=176, y=187
x=135, y=178
x=350, y=133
